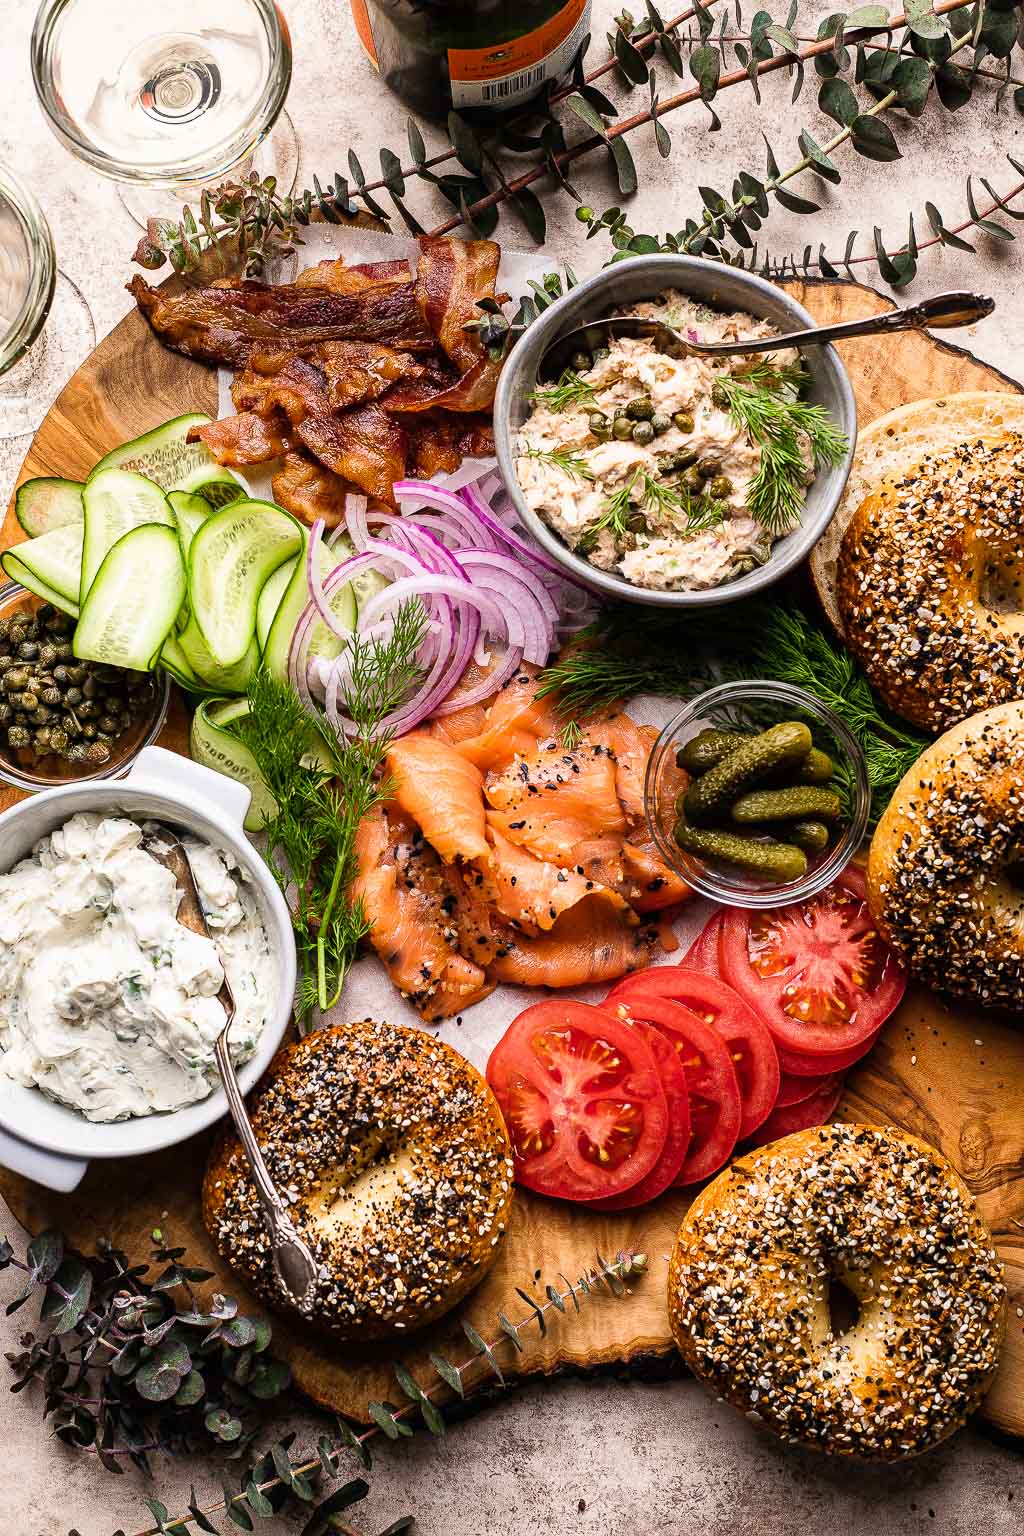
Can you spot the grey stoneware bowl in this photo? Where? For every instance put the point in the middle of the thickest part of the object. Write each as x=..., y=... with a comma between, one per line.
x=720, y=287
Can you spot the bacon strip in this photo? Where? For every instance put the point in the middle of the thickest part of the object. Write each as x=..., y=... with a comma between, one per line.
x=339, y=278
x=223, y=325
x=452, y=275
x=309, y=490
x=243, y=439
x=365, y=446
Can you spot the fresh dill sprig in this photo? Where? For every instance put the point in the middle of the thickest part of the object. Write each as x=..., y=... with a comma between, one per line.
x=324, y=788
x=763, y=402
x=617, y=511
x=561, y=458
x=629, y=652
x=702, y=513
x=570, y=736
x=570, y=390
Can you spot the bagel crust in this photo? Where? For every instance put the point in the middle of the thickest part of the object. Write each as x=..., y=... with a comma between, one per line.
x=937, y=870
x=394, y=1155
x=929, y=572
x=888, y=1217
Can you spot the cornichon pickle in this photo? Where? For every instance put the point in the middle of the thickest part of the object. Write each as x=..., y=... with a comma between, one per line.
x=799, y=802
x=816, y=768
x=711, y=796
x=812, y=835
x=777, y=861
x=708, y=748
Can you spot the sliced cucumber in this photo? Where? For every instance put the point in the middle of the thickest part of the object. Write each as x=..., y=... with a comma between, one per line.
x=126, y=619
x=364, y=586
x=323, y=642
x=46, y=503
x=217, y=486
x=49, y=566
x=164, y=456
x=213, y=677
x=116, y=501
x=221, y=750
x=232, y=556
x=190, y=513
x=273, y=591
x=173, y=658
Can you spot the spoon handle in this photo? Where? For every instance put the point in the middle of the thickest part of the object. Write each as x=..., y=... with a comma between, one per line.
x=942, y=310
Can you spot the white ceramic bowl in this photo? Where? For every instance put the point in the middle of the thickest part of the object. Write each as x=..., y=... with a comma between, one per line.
x=50, y=1143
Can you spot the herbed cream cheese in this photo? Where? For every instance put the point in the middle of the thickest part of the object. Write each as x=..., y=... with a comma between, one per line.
x=665, y=508
x=109, y=1004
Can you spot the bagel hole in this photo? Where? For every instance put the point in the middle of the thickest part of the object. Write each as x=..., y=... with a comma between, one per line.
x=1002, y=584
x=843, y=1308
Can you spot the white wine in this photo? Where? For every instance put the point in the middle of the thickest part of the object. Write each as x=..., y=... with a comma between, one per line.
x=161, y=91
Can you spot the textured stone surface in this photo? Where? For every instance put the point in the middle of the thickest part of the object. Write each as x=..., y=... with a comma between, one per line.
x=575, y=1458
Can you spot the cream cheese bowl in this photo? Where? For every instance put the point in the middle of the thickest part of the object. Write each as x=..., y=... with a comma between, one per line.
x=51, y=1143
x=720, y=287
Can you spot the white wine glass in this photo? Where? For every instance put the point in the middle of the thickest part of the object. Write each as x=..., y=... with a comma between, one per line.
x=167, y=96
x=46, y=328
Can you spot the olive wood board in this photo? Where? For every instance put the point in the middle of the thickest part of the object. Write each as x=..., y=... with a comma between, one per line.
x=943, y=1072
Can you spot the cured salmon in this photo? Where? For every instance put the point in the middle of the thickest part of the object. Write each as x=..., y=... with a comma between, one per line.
x=507, y=856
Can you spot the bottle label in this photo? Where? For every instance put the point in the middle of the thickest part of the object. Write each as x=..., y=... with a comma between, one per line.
x=512, y=72
x=364, y=30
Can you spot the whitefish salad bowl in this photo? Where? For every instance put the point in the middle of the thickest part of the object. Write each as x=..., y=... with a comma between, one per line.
x=50, y=1143
x=643, y=278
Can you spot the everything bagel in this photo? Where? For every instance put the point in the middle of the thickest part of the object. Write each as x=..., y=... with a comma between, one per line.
x=931, y=579
x=396, y=1158
x=889, y=1219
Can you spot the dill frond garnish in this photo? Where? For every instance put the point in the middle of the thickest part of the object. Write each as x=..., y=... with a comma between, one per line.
x=570, y=736
x=642, y=492
x=324, y=788
x=560, y=458
x=570, y=390
x=763, y=402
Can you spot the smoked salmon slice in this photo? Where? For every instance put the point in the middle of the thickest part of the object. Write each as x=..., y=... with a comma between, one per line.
x=442, y=792
x=533, y=893
x=517, y=721
x=591, y=942
x=555, y=800
x=402, y=884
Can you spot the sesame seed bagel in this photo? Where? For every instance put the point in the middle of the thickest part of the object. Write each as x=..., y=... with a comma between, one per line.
x=930, y=583
x=940, y=868
x=889, y=1219
x=393, y=1151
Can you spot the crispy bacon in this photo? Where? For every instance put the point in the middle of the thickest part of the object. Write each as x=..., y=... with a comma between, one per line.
x=364, y=445
x=473, y=392
x=441, y=444
x=339, y=278
x=452, y=275
x=243, y=439
x=223, y=325
x=297, y=389
x=309, y=490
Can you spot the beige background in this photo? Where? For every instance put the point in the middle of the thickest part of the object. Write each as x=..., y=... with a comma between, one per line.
x=575, y=1459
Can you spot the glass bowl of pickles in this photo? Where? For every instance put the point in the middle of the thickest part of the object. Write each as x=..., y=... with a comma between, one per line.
x=757, y=794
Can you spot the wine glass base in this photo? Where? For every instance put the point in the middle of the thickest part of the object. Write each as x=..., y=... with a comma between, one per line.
x=28, y=390
x=277, y=156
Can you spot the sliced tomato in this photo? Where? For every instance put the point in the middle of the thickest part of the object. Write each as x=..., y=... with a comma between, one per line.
x=799, y=1117
x=712, y=1086
x=797, y=1090
x=799, y=1064
x=754, y=1057
x=702, y=954
x=673, y=1153
x=582, y=1098
x=818, y=972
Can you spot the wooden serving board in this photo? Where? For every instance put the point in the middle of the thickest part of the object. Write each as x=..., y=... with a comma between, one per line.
x=949, y=1075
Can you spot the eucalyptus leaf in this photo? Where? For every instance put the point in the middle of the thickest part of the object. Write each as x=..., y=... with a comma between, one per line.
x=67, y=1296
x=912, y=80
x=467, y=146
x=625, y=168
x=391, y=172
x=874, y=139
x=795, y=204
x=867, y=16
x=922, y=20
x=531, y=211
x=783, y=37
x=820, y=161
x=319, y=1523
x=630, y=60
x=837, y=100
x=952, y=86
x=705, y=67
x=586, y=113
x=417, y=148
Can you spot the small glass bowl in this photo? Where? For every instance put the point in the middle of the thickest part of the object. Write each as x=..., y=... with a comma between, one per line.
x=753, y=706
x=15, y=599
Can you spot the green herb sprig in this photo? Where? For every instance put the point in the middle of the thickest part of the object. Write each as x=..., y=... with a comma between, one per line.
x=763, y=402
x=324, y=788
x=571, y=390
x=560, y=458
x=628, y=652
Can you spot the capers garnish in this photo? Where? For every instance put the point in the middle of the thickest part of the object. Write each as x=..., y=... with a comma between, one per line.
x=660, y=423
x=710, y=465
x=643, y=433
x=582, y=361
x=599, y=426
x=27, y=701
x=108, y=725
x=28, y=650
x=622, y=428
x=73, y=697
x=18, y=736
x=692, y=480
x=720, y=487
x=58, y=739
x=16, y=680
x=683, y=420
x=600, y=353
x=640, y=409
x=97, y=753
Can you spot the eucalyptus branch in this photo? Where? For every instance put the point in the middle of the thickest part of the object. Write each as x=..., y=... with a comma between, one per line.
x=298, y=1476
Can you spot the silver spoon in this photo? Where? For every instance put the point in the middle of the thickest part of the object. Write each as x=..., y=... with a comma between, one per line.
x=294, y=1265
x=943, y=310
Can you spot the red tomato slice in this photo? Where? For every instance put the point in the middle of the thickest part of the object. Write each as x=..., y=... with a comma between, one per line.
x=702, y=954
x=817, y=972
x=582, y=1098
x=714, y=1093
x=799, y=1117
x=673, y=1153
x=798, y=1064
x=797, y=1090
x=750, y=1045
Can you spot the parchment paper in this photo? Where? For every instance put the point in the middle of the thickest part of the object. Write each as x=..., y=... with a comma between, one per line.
x=368, y=991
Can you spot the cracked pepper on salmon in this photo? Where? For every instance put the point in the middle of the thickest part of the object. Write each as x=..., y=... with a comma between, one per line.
x=504, y=856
